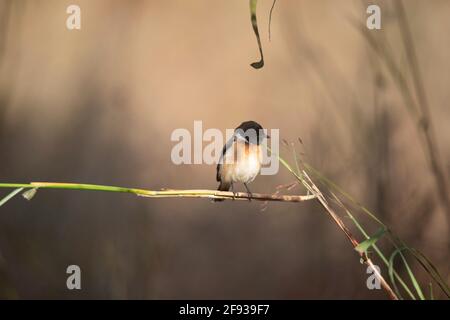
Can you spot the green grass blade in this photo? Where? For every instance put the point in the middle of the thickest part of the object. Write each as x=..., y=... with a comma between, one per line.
x=378, y=252
x=286, y=165
x=413, y=278
x=10, y=196
x=408, y=270
x=330, y=184
x=421, y=258
x=391, y=270
x=432, y=270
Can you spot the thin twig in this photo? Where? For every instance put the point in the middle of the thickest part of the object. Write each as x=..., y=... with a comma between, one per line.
x=166, y=193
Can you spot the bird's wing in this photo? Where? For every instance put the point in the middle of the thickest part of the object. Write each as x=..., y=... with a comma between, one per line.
x=225, y=149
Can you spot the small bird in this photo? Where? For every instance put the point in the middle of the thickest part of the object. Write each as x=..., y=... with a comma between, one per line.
x=241, y=157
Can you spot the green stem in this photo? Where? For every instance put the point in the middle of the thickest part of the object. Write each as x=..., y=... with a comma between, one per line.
x=74, y=186
x=167, y=193
x=380, y=254
x=361, y=229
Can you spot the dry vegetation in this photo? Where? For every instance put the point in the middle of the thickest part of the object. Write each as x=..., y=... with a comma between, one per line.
x=371, y=109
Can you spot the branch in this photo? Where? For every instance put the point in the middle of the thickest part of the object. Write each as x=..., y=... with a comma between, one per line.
x=165, y=193
x=309, y=184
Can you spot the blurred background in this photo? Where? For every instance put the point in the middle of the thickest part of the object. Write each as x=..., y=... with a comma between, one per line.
x=98, y=105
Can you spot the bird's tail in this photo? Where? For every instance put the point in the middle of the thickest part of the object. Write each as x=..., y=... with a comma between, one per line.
x=223, y=186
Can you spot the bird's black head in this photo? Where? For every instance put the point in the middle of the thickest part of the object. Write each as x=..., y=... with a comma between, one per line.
x=251, y=131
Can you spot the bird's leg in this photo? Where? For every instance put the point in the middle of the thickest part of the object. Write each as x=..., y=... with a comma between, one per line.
x=232, y=190
x=250, y=195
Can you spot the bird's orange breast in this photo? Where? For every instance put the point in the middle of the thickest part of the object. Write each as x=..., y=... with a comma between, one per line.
x=244, y=165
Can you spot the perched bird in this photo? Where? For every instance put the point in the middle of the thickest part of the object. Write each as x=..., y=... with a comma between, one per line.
x=241, y=157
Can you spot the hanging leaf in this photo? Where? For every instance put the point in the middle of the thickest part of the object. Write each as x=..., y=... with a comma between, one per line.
x=260, y=63
x=365, y=245
x=270, y=16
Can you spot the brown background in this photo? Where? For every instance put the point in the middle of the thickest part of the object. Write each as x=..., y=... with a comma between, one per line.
x=98, y=106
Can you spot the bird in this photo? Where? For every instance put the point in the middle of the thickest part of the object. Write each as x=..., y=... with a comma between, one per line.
x=241, y=157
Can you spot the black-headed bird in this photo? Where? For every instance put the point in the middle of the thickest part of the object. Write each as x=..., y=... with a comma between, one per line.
x=241, y=157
